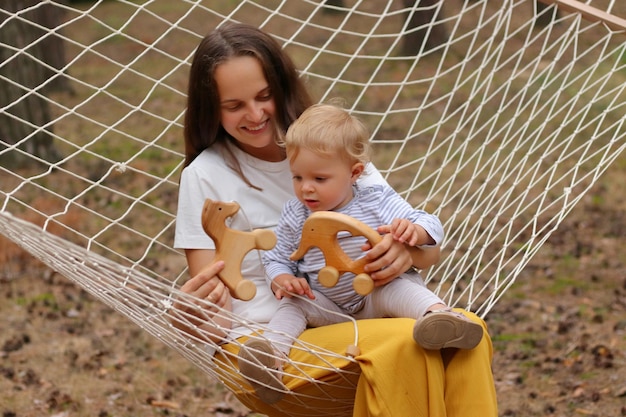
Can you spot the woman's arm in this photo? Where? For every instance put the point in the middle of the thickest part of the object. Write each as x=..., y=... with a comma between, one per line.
x=425, y=257
x=204, y=284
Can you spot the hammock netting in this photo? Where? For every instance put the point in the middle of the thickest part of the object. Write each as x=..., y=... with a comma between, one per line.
x=496, y=116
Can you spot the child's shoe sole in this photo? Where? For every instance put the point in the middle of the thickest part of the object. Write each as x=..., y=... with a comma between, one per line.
x=440, y=329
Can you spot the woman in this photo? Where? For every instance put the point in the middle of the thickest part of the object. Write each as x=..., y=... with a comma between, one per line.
x=244, y=92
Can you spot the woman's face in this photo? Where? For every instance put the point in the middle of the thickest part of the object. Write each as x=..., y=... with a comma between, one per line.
x=247, y=107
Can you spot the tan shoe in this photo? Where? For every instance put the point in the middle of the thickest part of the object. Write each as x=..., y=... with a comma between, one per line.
x=444, y=328
x=259, y=365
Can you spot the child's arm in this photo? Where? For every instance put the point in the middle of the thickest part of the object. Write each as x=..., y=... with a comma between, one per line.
x=285, y=285
x=280, y=270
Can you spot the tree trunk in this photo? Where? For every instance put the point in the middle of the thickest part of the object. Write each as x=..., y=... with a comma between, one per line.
x=545, y=18
x=25, y=118
x=330, y=10
x=425, y=27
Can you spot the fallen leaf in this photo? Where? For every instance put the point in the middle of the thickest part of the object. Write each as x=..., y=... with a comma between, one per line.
x=165, y=404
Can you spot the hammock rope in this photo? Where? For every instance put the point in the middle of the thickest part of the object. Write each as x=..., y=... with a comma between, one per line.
x=500, y=130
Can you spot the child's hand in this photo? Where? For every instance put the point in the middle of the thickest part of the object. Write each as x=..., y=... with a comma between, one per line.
x=404, y=231
x=287, y=285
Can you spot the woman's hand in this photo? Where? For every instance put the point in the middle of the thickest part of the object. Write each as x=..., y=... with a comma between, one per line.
x=191, y=314
x=208, y=286
x=388, y=259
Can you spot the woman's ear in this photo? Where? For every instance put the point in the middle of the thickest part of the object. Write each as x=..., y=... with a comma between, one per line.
x=357, y=170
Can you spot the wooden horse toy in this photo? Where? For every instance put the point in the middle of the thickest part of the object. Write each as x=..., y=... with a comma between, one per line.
x=320, y=230
x=232, y=245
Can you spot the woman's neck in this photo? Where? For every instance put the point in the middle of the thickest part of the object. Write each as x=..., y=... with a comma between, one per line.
x=271, y=153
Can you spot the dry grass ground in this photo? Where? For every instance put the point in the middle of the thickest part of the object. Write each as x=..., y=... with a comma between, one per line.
x=559, y=334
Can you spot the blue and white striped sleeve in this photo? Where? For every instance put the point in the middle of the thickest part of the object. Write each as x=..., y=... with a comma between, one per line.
x=276, y=261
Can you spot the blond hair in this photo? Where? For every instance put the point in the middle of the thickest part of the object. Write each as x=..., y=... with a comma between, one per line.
x=328, y=129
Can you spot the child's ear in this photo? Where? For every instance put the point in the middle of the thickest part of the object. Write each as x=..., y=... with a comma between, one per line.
x=357, y=170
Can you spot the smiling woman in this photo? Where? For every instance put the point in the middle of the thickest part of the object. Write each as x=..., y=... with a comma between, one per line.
x=500, y=131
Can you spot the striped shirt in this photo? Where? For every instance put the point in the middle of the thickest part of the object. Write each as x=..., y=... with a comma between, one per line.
x=374, y=205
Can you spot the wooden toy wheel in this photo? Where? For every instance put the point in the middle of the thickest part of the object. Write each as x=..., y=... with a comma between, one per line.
x=328, y=276
x=246, y=290
x=363, y=284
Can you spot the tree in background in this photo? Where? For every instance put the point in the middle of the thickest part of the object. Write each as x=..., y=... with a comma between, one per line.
x=426, y=30
x=30, y=58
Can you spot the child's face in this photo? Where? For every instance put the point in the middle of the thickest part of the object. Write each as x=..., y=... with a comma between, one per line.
x=323, y=182
x=247, y=107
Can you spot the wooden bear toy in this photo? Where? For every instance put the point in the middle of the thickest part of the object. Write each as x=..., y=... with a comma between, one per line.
x=320, y=230
x=232, y=245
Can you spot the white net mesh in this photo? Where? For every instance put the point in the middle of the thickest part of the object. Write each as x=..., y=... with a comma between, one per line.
x=498, y=122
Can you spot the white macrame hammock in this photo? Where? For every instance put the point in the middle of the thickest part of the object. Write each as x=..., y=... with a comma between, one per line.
x=500, y=131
